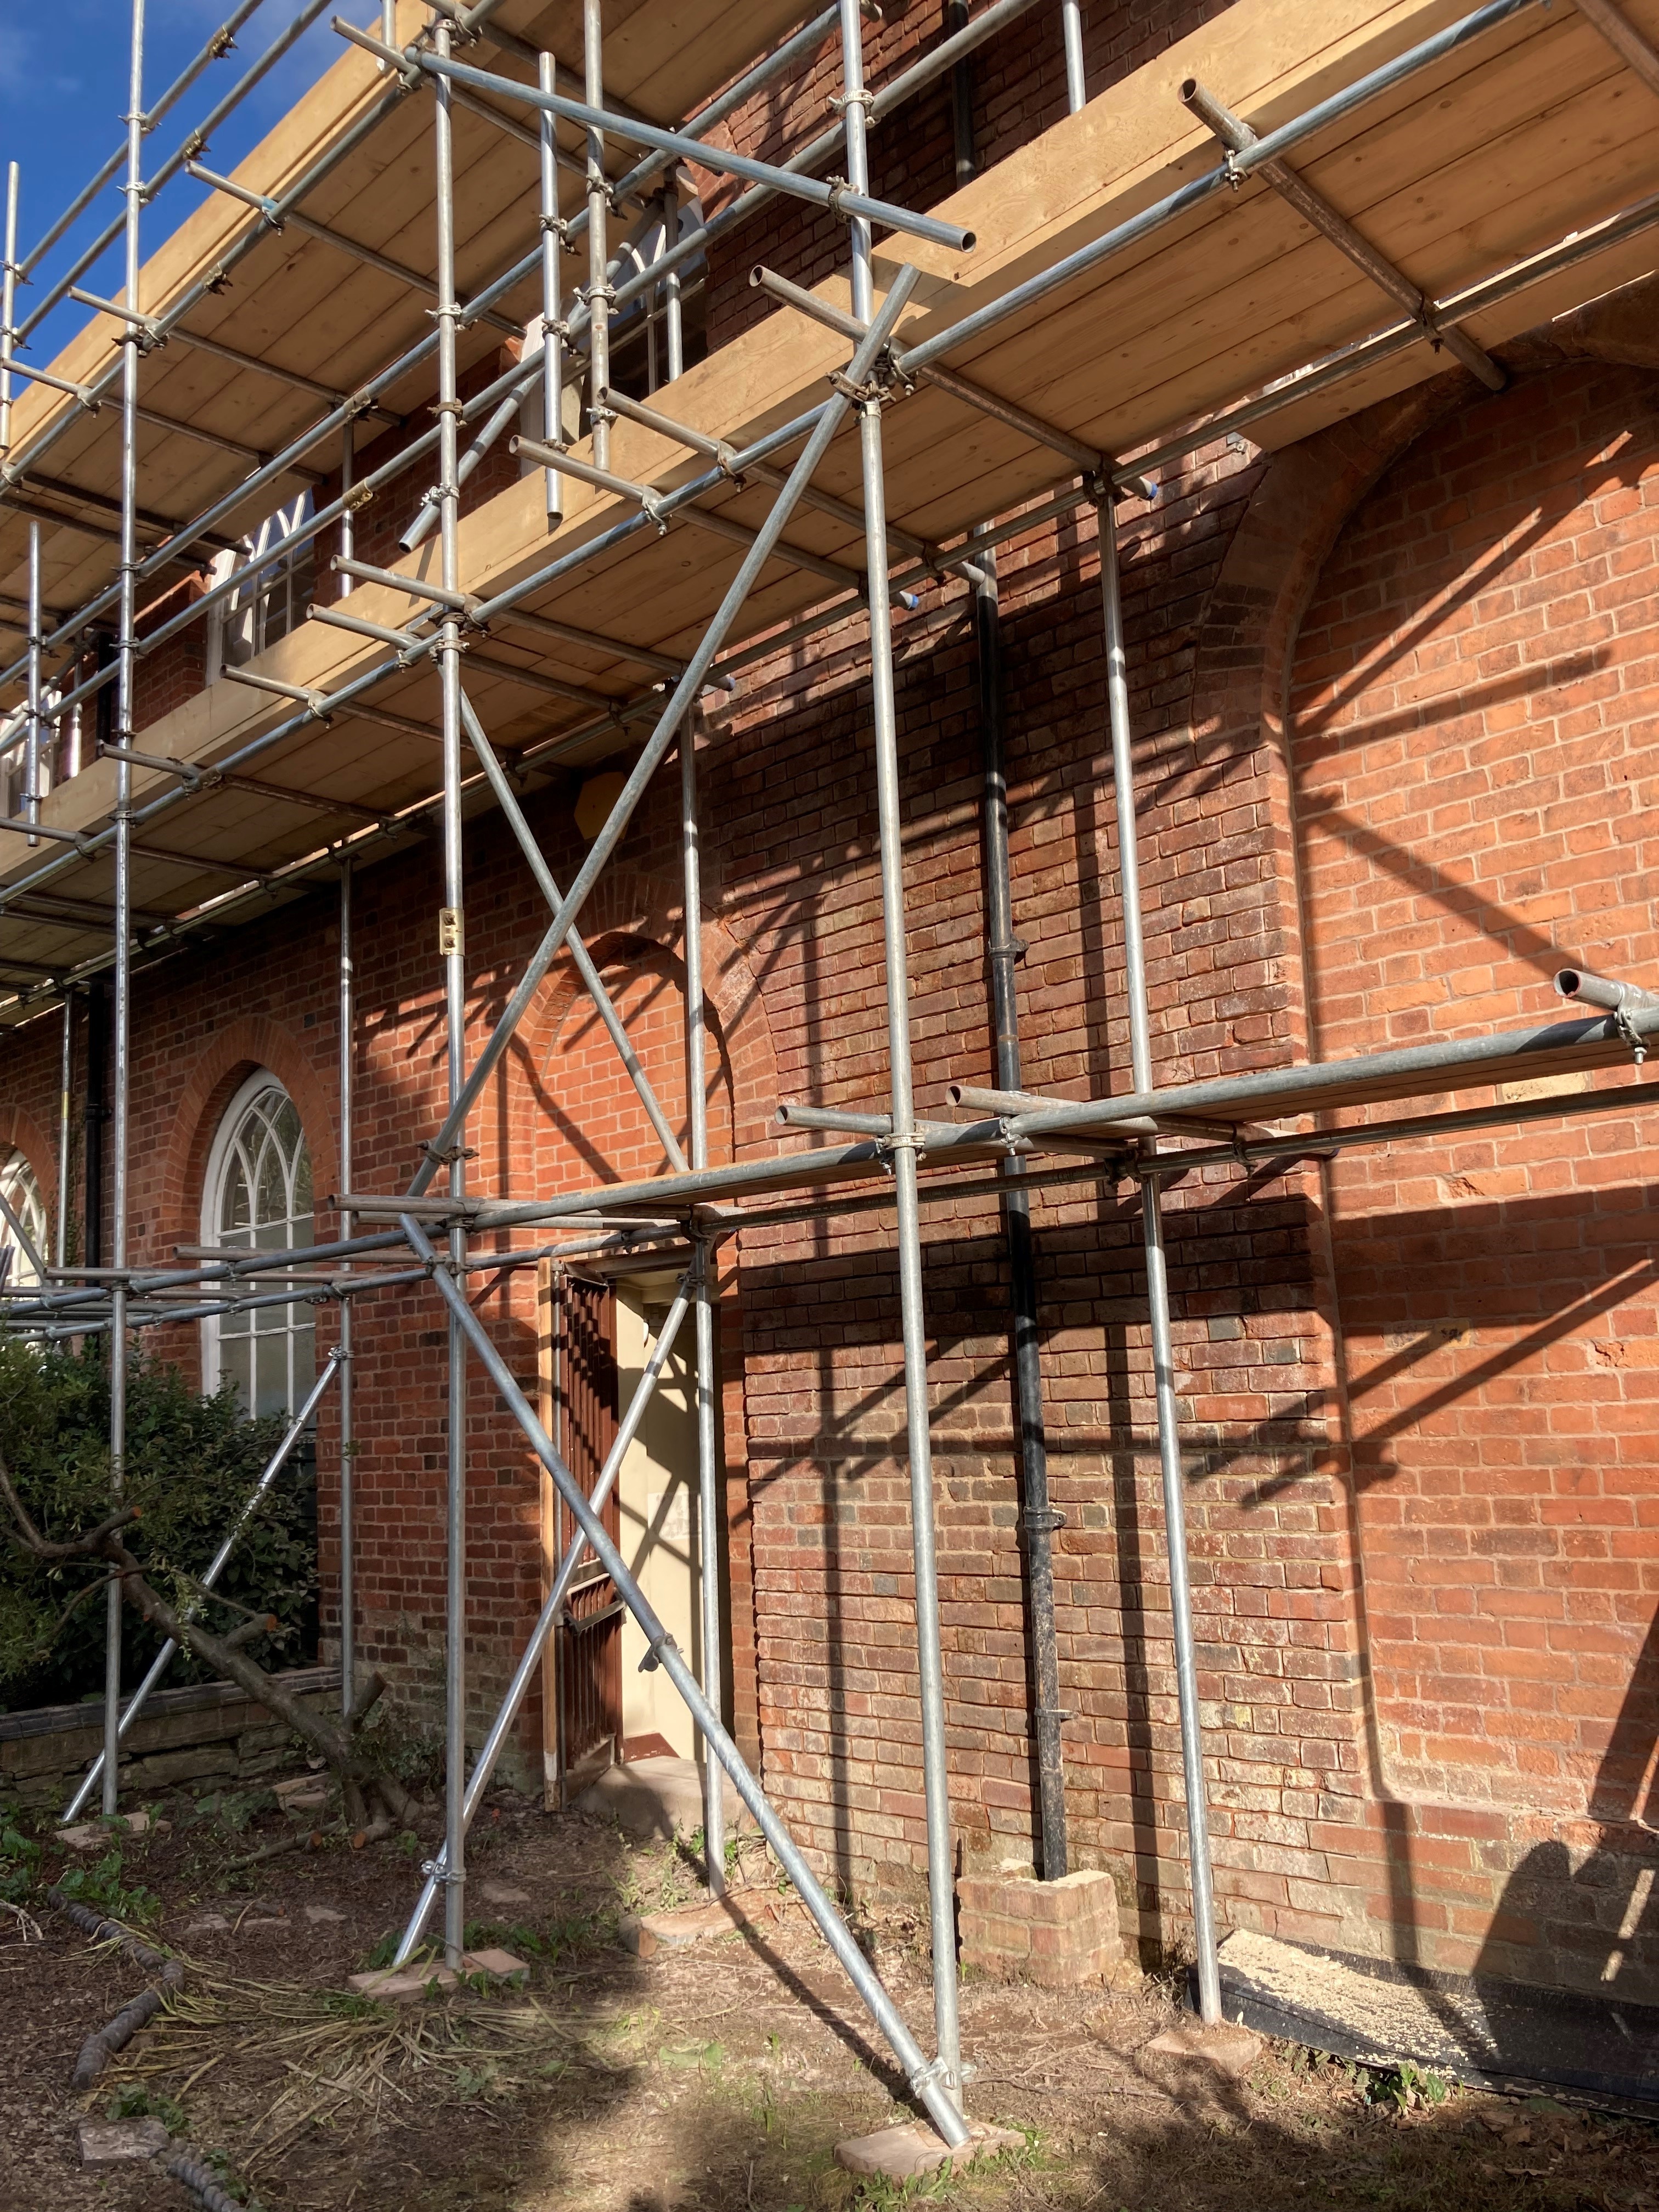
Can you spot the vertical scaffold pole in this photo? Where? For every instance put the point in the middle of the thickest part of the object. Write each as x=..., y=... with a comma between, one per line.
x=65, y=1100
x=673, y=320
x=941, y=1872
x=552, y=227
x=8, y=305
x=1157, y=1280
x=708, y=1514
x=599, y=291
x=451, y=948
x=348, y=1021
x=348, y=531
x=31, y=754
x=1071, y=24
x=127, y=651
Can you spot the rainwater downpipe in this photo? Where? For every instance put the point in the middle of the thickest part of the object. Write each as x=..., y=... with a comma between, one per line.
x=1038, y=1518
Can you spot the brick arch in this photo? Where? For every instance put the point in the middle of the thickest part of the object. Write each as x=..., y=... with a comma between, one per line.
x=634, y=912
x=1246, y=647
x=175, y=1192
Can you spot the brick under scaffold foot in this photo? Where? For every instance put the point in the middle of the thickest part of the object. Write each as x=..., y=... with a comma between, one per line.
x=905, y=2153
x=402, y=1984
x=647, y=1933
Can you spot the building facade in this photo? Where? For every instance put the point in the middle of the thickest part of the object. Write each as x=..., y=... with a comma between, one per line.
x=1396, y=692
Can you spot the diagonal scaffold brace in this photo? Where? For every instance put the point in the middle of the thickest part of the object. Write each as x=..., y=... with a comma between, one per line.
x=925, y=2079
x=685, y=695
x=530, y=1660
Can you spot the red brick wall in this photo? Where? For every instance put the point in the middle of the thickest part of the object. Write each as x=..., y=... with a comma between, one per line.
x=1018, y=90
x=1476, y=742
x=1374, y=1782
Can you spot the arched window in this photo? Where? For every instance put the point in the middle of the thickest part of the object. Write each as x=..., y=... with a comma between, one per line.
x=258, y=1196
x=22, y=1192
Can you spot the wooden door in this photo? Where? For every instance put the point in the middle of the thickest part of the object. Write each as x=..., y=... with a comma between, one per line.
x=586, y=1690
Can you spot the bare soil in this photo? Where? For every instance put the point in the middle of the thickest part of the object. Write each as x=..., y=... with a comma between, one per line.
x=720, y=2076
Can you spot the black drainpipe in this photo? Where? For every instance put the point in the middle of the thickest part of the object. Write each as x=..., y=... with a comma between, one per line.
x=1038, y=1518
x=99, y=1016
x=98, y=1028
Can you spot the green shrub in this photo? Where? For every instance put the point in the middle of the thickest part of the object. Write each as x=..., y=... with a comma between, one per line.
x=191, y=1462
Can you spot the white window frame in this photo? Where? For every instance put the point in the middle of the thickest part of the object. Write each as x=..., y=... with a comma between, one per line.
x=23, y=1193
x=296, y=1319
x=239, y=626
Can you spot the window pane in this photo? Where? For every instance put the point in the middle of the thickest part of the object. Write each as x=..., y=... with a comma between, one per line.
x=265, y=1202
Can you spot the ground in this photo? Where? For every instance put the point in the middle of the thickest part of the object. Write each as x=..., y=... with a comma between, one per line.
x=698, y=2079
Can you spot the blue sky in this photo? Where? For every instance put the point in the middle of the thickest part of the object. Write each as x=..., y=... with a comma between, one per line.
x=63, y=90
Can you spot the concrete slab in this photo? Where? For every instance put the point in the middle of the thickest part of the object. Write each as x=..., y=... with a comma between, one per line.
x=1485, y=2032
x=105, y=1835
x=404, y=1984
x=644, y=1934
x=1230, y=2051
x=121, y=2142
x=659, y=1798
x=907, y=2152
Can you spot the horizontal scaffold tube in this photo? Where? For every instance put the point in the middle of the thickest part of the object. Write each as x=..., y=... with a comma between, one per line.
x=1087, y=259
x=1459, y=1058
x=675, y=143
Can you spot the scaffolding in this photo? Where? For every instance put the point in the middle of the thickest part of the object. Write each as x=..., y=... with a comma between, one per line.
x=895, y=337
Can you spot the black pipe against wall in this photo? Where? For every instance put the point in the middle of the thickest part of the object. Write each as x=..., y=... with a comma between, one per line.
x=1038, y=1518
x=100, y=1021
x=101, y=1015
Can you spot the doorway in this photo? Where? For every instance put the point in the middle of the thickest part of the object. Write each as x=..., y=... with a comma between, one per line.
x=600, y=1706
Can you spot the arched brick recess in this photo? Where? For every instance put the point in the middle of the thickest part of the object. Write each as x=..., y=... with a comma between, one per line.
x=1524, y=1892
x=168, y=1197
x=632, y=912
x=633, y=928
x=1471, y=729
